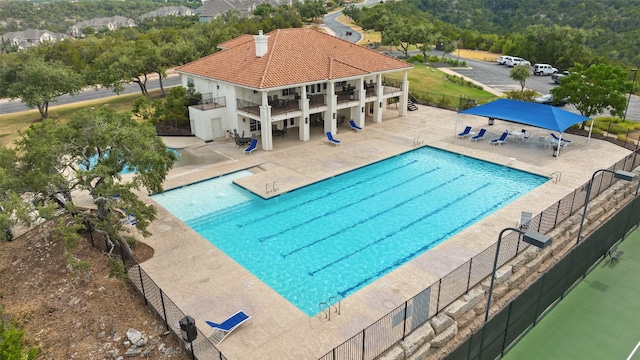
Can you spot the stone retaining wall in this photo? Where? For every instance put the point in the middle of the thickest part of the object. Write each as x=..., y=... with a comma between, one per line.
x=443, y=332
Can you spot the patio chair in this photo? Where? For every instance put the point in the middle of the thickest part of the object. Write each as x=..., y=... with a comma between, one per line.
x=353, y=125
x=500, y=140
x=224, y=329
x=465, y=132
x=252, y=146
x=525, y=220
x=480, y=135
x=564, y=141
x=335, y=142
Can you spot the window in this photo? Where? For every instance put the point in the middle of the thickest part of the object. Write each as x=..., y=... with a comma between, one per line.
x=290, y=91
x=190, y=81
x=341, y=83
x=291, y=122
x=254, y=125
x=318, y=88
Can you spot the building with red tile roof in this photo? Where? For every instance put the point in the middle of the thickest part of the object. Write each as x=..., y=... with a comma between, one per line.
x=289, y=80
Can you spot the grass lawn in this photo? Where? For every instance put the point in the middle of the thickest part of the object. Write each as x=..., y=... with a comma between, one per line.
x=10, y=124
x=425, y=80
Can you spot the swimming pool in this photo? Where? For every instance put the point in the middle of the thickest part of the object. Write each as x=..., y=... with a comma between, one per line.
x=336, y=236
x=94, y=160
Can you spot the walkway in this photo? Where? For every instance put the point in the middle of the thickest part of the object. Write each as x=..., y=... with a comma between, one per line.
x=208, y=285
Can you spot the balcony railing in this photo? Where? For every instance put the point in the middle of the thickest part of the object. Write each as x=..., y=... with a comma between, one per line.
x=316, y=100
x=208, y=102
x=283, y=106
x=248, y=106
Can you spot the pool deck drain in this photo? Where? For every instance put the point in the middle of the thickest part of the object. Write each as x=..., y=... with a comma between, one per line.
x=207, y=285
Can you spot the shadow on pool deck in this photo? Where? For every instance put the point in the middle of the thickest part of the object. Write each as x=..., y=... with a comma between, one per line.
x=207, y=285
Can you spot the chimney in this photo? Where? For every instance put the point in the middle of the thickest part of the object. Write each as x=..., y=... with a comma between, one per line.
x=261, y=44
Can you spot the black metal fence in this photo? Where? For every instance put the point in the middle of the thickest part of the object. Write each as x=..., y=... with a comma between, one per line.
x=168, y=311
x=396, y=325
x=506, y=327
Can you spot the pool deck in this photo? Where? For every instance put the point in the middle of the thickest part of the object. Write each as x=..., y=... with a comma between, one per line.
x=207, y=285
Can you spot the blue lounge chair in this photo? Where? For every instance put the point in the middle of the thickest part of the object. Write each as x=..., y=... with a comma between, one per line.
x=354, y=126
x=466, y=132
x=224, y=329
x=252, y=146
x=564, y=141
x=332, y=140
x=480, y=135
x=500, y=140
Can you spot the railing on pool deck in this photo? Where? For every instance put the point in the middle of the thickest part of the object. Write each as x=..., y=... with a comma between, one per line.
x=400, y=322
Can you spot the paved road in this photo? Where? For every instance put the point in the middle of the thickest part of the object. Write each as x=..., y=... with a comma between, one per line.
x=7, y=107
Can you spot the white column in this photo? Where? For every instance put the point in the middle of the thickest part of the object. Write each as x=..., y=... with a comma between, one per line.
x=332, y=105
x=304, y=127
x=379, y=105
x=404, y=98
x=265, y=124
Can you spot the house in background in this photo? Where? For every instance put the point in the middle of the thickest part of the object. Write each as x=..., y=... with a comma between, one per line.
x=290, y=79
x=111, y=23
x=169, y=11
x=24, y=39
x=211, y=9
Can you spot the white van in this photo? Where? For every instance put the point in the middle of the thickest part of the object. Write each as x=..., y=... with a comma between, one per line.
x=544, y=69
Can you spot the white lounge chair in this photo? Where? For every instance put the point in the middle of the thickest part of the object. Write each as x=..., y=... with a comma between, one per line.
x=525, y=220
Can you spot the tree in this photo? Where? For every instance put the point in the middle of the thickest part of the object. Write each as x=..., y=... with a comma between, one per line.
x=87, y=155
x=594, y=89
x=127, y=62
x=36, y=82
x=520, y=73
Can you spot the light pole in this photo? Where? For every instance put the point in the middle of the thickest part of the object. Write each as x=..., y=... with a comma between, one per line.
x=618, y=174
x=633, y=83
x=534, y=238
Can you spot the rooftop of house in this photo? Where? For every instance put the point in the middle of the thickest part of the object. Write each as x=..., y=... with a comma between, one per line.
x=293, y=56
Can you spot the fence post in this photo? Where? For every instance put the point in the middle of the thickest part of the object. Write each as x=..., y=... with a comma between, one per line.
x=404, y=324
x=469, y=272
x=555, y=222
x=438, y=300
x=164, y=311
x=142, y=285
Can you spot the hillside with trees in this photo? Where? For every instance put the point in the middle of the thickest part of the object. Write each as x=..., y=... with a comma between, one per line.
x=610, y=27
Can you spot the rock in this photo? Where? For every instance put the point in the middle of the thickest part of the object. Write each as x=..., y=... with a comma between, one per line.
x=169, y=351
x=440, y=322
x=74, y=301
x=134, y=335
x=148, y=350
x=133, y=351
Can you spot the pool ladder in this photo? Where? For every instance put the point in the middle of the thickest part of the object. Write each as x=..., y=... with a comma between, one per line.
x=271, y=189
x=555, y=177
x=327, y=306
x=417, y=141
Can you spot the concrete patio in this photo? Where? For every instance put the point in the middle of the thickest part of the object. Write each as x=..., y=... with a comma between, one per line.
x=207, y=285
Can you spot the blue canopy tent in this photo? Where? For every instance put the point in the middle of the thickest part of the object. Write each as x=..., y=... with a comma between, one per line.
x=538, y=115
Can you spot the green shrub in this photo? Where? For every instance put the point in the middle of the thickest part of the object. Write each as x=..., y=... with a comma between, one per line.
x=117, y=269
x=12, y=342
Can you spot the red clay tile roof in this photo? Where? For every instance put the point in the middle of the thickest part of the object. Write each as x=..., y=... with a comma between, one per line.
x=294, y=56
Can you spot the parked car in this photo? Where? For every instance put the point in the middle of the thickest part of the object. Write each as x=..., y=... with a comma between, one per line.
x=502, y=59
x=517, y=61
x=557, y=77
x=549, y=100
x=544, y=69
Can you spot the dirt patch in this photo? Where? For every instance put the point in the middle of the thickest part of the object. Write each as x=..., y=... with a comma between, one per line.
x=72, y=314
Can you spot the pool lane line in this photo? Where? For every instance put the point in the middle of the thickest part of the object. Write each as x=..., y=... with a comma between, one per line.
x=401, y=261
x=369, y=218
x=334, y=210
x=402, y=228
x=253, y=221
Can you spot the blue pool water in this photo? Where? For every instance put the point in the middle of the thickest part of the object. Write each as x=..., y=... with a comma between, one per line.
x=336, y=236
x=94, y=160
